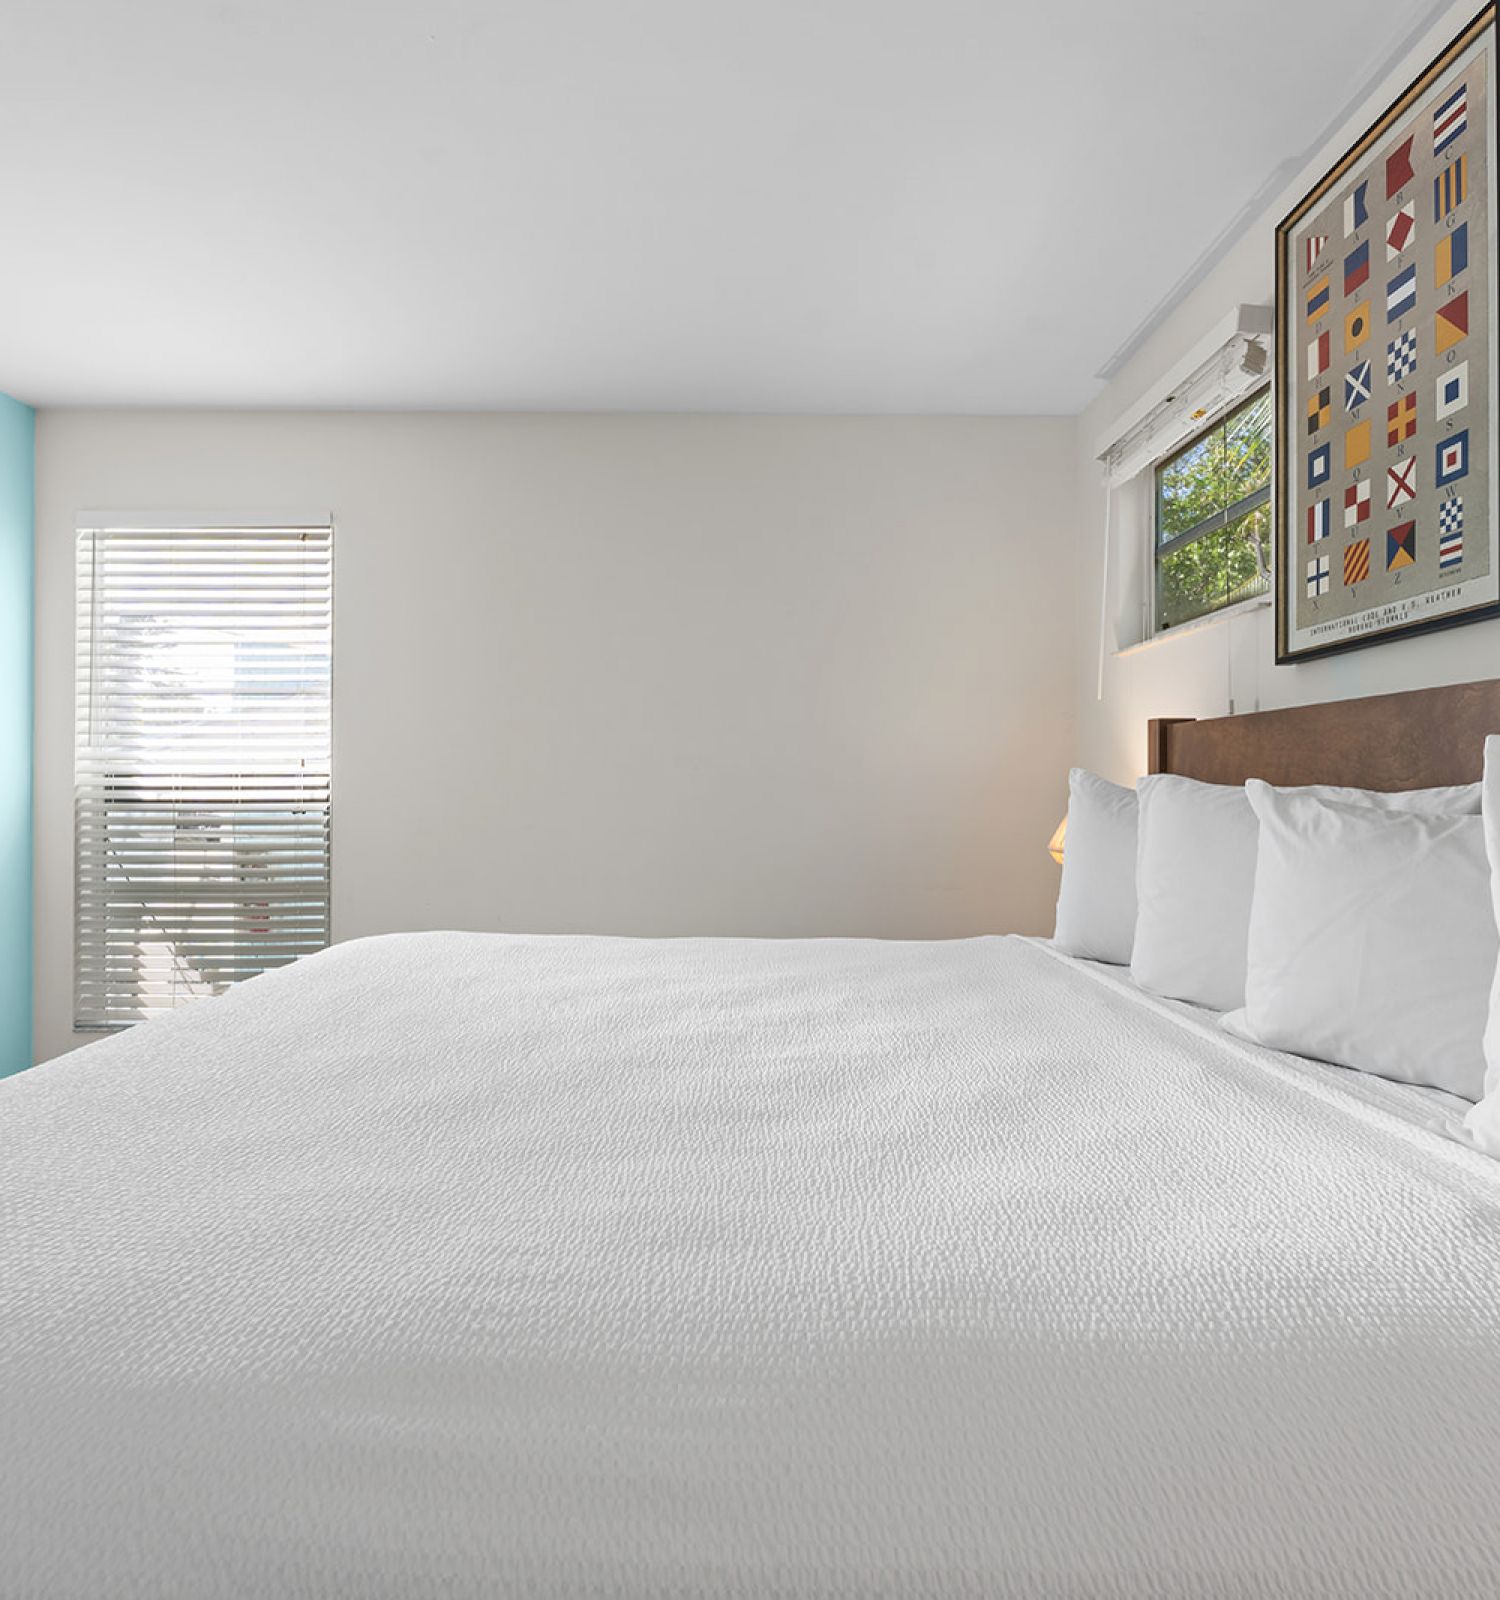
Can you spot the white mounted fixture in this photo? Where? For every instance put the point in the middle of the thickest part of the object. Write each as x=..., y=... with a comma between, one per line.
x=1226, y=366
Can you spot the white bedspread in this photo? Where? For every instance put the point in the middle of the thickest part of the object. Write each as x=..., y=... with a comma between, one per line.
x=458, y=1265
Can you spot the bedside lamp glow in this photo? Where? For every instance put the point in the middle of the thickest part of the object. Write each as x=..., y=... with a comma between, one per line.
x=1055, y=843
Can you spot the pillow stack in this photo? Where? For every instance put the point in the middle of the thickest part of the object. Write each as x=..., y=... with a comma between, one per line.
x=1344, y=924
x=1196, y=865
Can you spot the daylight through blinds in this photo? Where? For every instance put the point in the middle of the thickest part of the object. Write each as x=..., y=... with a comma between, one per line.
x=202, y=776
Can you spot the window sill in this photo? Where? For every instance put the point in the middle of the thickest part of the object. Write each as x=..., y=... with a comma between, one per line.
x=1212, y=620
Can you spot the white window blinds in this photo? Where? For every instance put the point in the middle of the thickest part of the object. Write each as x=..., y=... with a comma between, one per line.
x=202, y=774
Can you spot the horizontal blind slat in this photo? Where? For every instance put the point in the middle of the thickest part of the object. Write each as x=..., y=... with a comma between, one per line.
x=202, y=773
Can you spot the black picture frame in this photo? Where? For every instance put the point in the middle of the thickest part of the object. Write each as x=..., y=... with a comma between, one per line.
x=1388, y=617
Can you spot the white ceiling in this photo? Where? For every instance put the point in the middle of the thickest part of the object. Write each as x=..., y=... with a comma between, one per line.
x=697, y=205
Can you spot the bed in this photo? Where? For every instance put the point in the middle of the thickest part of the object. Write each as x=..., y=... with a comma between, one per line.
x=465, y=1264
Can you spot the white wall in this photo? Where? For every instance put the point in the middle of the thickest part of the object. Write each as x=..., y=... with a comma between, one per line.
x=1230, y=664
x=643, y=675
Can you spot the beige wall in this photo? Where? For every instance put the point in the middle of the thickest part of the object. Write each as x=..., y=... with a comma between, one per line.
x=1230, y=664
x=643, y=675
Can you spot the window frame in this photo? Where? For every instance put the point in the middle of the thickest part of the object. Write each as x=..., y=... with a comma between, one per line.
x=102, y=772
x=1209, y=526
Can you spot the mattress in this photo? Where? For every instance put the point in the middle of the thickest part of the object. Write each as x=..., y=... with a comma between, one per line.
x=461, y=1265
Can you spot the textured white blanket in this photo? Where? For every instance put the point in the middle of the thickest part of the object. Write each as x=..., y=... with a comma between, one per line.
x=464, y=1265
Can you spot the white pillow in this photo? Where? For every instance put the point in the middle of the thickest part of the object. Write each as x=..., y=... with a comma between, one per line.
x=1195, y=873
x=1372, y=940
x=1195, y=877
x=1096, y=902
x=1483, y=1122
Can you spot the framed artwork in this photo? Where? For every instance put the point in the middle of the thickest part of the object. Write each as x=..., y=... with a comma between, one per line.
x=1388, y=456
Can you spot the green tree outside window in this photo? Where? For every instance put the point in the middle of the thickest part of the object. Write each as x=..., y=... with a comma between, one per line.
x=1213, y=517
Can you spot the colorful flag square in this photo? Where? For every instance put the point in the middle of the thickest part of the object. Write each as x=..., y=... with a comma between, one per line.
x=1400, y=483
x=1319, y=577
x=1356, y=386
x=1357, y=445
x=1319, y=520
x=1452, y=390
x=1401, y=357
x=1400, y=419
x=1356, y=326
x=1399, y=230
x=1450, y=189
x=1451, y=119
x=1451, y=322
x=1401, y=547
x=1356, y=208
x=1398, y=167
x=1319, y=410
x=1357, y=503
x=1356, y=562
x=1319, y=466
x=1452, y=458
x=1451, y=533
x=1452, y=255
x=1401, y=294
x=1357, y=267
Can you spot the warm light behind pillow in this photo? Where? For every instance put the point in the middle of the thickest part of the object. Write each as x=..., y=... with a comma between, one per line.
x=1055, y=843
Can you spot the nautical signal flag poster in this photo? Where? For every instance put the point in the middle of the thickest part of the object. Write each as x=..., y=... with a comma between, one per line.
x=1388, y=475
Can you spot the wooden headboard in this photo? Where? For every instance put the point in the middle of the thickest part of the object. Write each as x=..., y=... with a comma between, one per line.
x=1415, y=740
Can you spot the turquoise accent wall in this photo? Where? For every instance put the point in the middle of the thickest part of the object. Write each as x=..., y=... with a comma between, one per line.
x=17, y=575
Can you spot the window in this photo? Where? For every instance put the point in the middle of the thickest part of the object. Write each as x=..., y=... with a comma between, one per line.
x=1213, y=517
x=202, y=774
